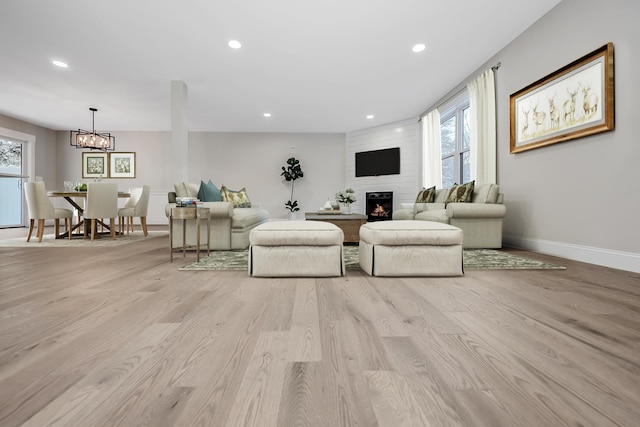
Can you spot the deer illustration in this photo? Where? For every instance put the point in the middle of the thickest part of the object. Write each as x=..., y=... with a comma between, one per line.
x=538, y=116
x=525, y=122
x=554, y=115
x=569, y=106
x=589, y=102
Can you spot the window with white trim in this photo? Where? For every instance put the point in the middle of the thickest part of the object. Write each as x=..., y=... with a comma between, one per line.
x=455, y=142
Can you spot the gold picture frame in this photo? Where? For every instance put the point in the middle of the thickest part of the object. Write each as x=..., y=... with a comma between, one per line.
x=94, y=165
x=574, y=101
x=122, y=165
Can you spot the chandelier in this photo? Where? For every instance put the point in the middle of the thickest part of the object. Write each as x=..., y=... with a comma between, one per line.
x=92, y=140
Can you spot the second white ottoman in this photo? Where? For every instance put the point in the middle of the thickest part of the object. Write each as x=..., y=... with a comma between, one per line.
x=410, y=248
x=296, y=249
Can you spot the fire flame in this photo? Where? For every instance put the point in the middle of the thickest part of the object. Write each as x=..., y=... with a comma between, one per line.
x=379, y=211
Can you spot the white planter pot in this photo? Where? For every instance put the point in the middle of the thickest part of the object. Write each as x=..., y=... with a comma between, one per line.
x=345, y=209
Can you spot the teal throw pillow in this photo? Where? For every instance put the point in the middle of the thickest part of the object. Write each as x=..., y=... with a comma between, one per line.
x=209, y=192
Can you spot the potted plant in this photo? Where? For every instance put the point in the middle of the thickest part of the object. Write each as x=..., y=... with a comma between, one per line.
x=346, y=198
x=291, y=172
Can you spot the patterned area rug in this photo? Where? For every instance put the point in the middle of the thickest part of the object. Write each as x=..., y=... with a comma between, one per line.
x=48, y=241
x=474, y=259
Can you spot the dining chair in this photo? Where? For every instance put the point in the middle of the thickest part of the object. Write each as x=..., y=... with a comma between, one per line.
x=40, y=207
x=102, y=202
x=135, y=206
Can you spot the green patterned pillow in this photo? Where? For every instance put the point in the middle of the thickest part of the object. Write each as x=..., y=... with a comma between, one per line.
x=426, y=195
x=460, y=193
x=239, y=199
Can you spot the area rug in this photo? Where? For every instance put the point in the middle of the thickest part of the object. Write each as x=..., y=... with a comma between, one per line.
x=474, y=259
x=48, y=241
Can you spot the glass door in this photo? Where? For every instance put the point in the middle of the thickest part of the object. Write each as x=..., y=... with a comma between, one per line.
x=11, y=177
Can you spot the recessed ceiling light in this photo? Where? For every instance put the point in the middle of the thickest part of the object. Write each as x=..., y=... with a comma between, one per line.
x=267, y=114
x=60, y=64
x=235, y=44
x=370, y=116
x=418, y=48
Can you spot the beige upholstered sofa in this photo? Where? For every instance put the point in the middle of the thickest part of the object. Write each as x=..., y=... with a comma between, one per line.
x=480, y=220
x=229, y=226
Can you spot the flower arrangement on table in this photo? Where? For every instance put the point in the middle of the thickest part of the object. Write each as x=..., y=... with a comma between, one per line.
x=345, y=198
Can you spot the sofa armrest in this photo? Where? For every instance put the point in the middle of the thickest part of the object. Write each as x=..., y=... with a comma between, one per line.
x=407, y=205
x=218, y=209
x=475, y=210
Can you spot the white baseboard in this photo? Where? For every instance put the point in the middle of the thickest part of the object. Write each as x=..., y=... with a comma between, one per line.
x=605, y=257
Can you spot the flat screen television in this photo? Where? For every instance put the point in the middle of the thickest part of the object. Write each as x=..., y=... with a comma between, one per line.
x=378, y=162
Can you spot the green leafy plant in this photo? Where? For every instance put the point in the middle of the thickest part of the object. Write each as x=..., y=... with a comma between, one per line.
x=291, y=172
x=347, y=196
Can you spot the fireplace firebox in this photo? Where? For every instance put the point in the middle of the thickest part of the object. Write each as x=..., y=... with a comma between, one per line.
x=379, y=206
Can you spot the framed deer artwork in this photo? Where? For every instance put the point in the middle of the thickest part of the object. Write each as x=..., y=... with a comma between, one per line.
x=572, y=102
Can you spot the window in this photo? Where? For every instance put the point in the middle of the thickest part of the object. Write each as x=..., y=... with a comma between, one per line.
x=455, y=142
x=11, y=169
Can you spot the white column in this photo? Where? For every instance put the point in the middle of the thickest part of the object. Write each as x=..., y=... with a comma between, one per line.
x=179, y=130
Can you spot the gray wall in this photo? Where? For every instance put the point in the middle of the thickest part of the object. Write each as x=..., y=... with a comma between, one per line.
x=251, y=160
x=578, y=198
x=575, y=199
x=254, y=161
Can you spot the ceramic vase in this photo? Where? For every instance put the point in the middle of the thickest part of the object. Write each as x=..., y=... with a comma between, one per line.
x=345, y=208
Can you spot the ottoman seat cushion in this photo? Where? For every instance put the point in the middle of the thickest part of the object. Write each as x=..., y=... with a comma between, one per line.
x=411, y=248
x=296, y=233
x=403, y=233
x=296, y=249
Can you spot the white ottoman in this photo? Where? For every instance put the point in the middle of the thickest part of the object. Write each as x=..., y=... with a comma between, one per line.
x=296, y=249
x=411, y=248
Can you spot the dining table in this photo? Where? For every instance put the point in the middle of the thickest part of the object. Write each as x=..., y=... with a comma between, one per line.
x=70, y=197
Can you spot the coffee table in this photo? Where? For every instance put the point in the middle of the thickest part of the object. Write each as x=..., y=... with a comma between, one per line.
x=348, y=223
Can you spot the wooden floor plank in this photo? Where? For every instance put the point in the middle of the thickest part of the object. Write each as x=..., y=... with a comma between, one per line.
x=304, y=339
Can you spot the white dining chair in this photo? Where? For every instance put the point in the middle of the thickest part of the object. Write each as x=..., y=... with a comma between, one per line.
x=40, y=207
x=102, y=202
x=135, y=206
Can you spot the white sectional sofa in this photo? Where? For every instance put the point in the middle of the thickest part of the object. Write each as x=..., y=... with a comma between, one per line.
x=229, y=226
x=480, y=219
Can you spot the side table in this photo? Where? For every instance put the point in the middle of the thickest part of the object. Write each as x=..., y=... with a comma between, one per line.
x=348, y=223
x=184, y=214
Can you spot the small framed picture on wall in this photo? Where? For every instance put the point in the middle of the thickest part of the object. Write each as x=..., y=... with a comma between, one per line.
x=94, y=165
x=122, y=165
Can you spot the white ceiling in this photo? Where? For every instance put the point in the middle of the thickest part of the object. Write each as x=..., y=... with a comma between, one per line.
x=316, y=66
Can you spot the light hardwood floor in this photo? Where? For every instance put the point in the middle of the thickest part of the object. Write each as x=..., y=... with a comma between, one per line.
x=119, y=336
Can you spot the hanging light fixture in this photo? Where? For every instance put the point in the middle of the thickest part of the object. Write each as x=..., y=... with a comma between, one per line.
x=92, y=140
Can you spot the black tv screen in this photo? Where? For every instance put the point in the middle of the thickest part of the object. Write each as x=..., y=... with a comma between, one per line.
x=378, y=162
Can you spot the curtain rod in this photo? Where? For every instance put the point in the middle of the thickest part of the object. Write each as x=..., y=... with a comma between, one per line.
x=494, y=68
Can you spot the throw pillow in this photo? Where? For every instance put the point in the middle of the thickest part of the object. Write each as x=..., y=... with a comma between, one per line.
x=209, y=192
x=239, y=199
x=461, y=193
x=426, y=195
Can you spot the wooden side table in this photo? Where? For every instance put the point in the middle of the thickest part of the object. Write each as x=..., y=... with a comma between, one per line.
x=348, y=223
x=184, y=214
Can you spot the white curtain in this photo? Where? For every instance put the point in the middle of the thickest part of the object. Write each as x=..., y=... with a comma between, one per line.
x=432, y=153
x=482, y=124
